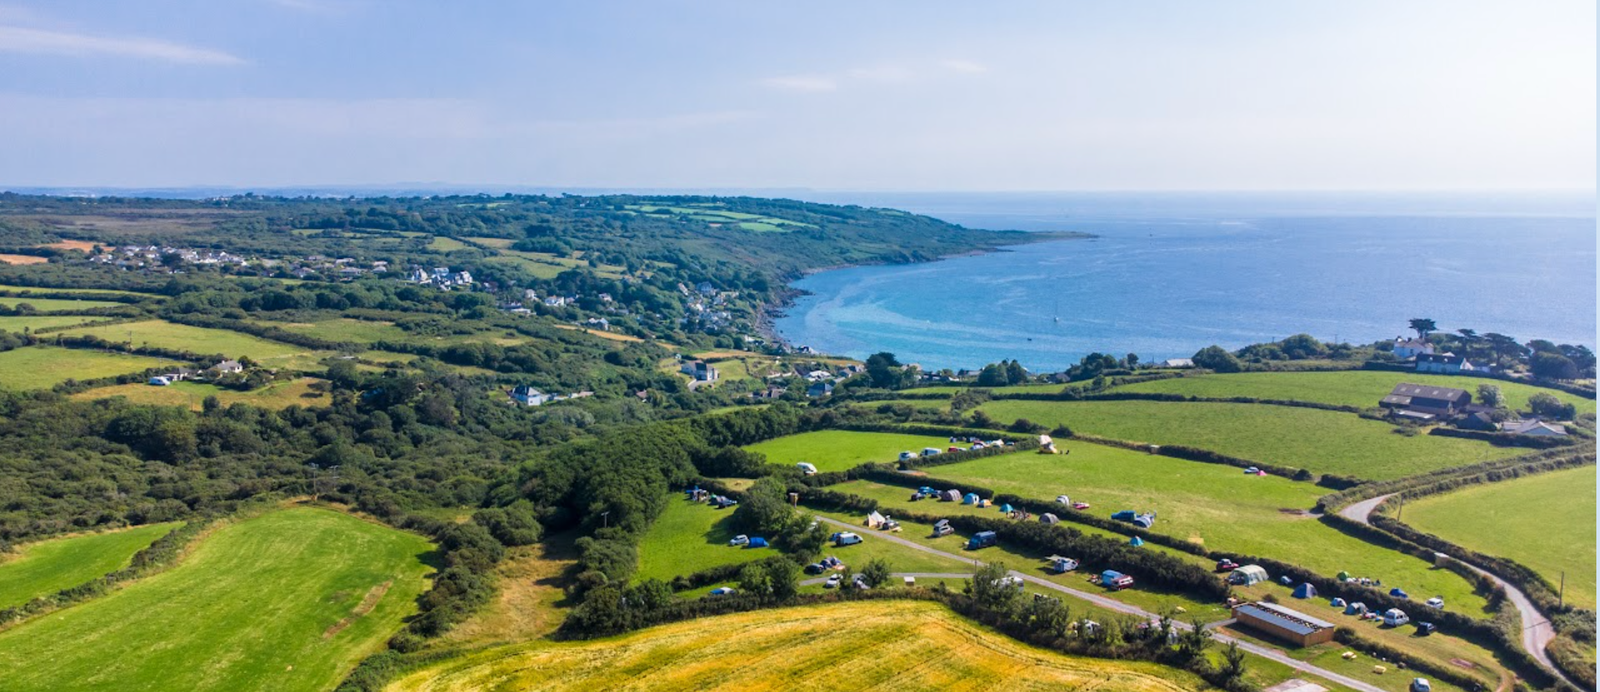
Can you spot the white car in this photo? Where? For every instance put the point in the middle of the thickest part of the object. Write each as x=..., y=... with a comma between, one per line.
x=740, y=539
x=833, y=582
x=1436, y=602
x=1421, y=685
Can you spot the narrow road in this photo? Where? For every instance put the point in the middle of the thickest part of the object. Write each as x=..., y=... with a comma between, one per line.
x=1536, y=629
x=1118, y=606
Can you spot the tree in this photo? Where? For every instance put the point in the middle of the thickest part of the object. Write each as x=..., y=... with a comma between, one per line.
x=1553, y=366
x=876, y=572
x=1216, y=358
x=754, y=579
x=1423, y=326
x=993, y=375
x=783, y=578
x=1489, y=395
x=1132, y=359
x=1015, y=374
x=1548, y=406
x=884, y=370
x=991, y=588
x=1232, y=661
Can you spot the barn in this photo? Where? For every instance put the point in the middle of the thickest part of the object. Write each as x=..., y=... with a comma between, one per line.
x=1283, y=623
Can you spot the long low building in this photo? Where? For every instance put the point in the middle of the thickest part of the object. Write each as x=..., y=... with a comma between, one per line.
x=1286, y=624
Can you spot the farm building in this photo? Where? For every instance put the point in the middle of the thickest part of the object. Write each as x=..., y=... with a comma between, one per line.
x=1444, y=363
x=1424, y=401
x=1536, y=428
x=1248, y=575
x=1283, y=623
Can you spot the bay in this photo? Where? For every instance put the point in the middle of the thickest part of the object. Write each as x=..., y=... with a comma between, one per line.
x=1170, y=274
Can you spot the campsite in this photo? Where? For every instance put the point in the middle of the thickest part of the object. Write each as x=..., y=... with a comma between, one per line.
x=838, y=450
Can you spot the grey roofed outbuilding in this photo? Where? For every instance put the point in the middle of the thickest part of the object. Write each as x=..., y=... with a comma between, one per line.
x=1404, y=393
x=1292, y=620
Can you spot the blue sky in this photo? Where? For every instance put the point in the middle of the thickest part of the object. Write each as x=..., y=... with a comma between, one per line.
x=1340, y=94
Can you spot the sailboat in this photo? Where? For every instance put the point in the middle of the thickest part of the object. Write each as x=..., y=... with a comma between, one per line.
x=1057, y=310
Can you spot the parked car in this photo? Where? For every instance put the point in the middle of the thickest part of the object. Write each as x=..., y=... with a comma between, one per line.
x=1226, y=565
x=1080, y=505
x=1436, y=602
x=833, y=582
x=845, y=538
x=1420, y=685
x=815, y=568
x=740, y=539
x=1425, y=628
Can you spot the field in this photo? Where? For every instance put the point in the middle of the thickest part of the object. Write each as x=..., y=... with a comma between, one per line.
x=43, y=568
x=899, y=645
x=1321, y=441
x=83, y=245
x=23, y=259
x=28, y=323
x=38, y=367
x=286, y=601
x=1546, y=522
x=689, y=537
x=1015, y=389
x=202, y=340
x=193, y=394
x=837, y=450
x=443, y=244
x=51, y=304
x=1210, y=504
x=39, y=289
x=1349, y=388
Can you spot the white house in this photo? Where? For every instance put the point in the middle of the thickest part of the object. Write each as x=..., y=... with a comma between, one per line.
x=1445, y=363
x=700, y=370
x=1411, y=348
x=528, y=396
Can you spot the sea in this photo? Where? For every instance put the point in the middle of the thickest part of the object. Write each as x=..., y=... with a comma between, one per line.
x=1168, y=274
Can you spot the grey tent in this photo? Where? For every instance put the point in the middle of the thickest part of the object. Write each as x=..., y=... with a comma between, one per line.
x=1048, y=518
x=1305, y=590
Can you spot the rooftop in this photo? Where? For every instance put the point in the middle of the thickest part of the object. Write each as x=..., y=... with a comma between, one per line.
x=1292, y=620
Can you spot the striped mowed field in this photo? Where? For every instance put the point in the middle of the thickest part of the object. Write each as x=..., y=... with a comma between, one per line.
x=898, y=645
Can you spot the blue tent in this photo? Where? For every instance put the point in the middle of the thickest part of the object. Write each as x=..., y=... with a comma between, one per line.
x=1005, y=508
x=1397, y=593
x=1337, y=602
x=756, y=543
x=1136, y=541
x=970, y=499
x=1355, y=608
x=1305, y=590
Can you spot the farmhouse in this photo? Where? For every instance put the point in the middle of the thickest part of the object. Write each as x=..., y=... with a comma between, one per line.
x=1446, y=363
x=1406, y=349
x=1178, y=363
x=227, y=367
x=700, y=370
x=528, y=396
x=1425, y=402
x=1283, y=623
x=819, y=389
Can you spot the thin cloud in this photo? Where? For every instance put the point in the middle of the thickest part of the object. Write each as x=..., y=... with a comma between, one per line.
x=963, y=66
x=881, y=73
x=811, y=83
x=16, y=39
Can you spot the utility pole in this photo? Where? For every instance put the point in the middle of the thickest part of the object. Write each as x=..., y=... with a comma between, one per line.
x=605, y=519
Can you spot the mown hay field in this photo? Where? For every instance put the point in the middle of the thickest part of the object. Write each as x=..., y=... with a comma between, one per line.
x=1346, y=388
x=192, y=395
x=38, y=367
x=33, y=323
x=1313, y=439
x=837, y=450
x=200, y=340
x=1546, y=522
x=900, y=645
x=43, y=568
x=289, y=600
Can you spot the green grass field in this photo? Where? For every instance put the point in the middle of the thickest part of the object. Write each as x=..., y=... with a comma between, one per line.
x=689, y=537
x=31, y=323
x=343, y=329
x=38, y=289
x=1016, y=389
x=1349, y=388
x=43, y=568
x=193, y=394
x=1321, y=441
x=443, y=244
x=837, y=450
x=900, y=645
x=257, y=605
x=38, y=367
x=1546, y=522
x=52, y=304
x=1216, y=506
x=202, y=340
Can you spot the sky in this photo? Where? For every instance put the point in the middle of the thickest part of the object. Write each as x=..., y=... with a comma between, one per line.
x=914, y=95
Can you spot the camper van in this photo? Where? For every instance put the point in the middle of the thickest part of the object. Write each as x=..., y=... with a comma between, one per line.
x=845, y=538
x=942, y=528
x=929, y=451
x=1395, y=617
x=908, y=455
x=982, y=539
x=807, y=468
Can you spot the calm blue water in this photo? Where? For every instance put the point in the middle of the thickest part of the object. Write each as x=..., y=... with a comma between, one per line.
x=1172, y=274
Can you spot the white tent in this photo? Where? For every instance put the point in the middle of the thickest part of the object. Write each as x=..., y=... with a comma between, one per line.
x=1247, y=575
x=874, y=520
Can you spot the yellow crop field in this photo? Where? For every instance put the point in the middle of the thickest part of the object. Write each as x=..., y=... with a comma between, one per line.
x=898, y=645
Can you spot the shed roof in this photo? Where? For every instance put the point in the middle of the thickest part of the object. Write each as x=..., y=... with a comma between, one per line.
x=1408, y=390
x=1292, y=620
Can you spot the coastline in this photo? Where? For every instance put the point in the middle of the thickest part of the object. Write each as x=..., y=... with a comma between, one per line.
x=767, y=313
